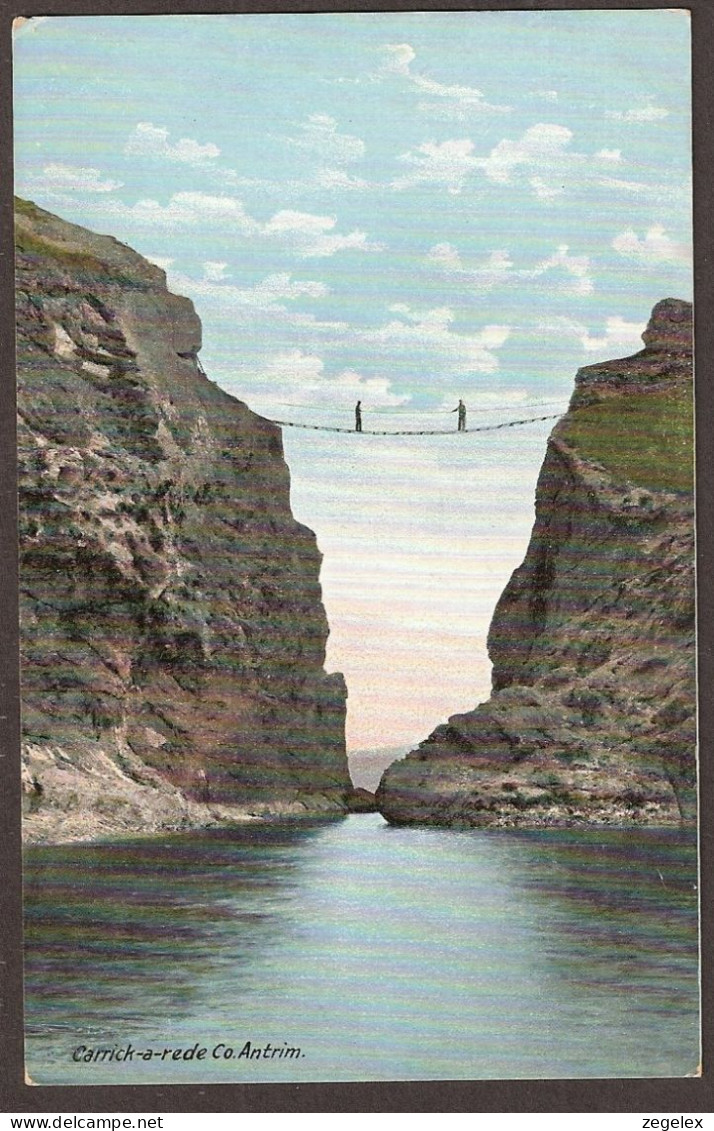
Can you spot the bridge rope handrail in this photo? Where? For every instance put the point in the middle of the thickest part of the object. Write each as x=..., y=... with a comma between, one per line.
x=410, y=410
x=415, y=432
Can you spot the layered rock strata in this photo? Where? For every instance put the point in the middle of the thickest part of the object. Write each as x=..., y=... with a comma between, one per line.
x=173, y=633
x=592, y=714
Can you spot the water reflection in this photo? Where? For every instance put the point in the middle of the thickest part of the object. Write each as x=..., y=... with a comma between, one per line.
x=130, y=929
x=385, y=953
x=625, y=902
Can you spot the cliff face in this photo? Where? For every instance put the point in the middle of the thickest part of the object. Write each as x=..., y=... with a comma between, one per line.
x=592, y=714
x=173, y=635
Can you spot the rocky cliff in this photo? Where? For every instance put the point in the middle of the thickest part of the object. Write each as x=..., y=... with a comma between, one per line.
x=592, y=714
x=173, y=635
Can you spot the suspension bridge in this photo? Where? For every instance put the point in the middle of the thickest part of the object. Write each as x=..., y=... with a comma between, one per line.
x=414, y=431
x=354, y=431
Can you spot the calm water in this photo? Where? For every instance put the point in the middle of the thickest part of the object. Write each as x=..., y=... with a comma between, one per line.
x=379, y=953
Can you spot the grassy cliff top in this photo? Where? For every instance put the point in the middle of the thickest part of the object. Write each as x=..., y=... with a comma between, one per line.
x=646, y=439
x=41, y=235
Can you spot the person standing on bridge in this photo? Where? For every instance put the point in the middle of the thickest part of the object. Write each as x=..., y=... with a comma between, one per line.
x=461, y=409
x=358, y=416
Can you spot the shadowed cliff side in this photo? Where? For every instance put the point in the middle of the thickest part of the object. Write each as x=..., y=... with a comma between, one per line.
x=173, y=634
x=592, y=714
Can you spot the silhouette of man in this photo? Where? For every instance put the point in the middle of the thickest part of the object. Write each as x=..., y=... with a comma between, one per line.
x=358, y=416
x=461, y=409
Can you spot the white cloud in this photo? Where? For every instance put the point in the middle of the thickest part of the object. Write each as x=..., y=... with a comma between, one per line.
x=73, y=178
x=350, y=386
x=498, y=269
x=281, y=286
x=306, y=234
x=494, y=270
x=654, y=248
x=541, y=147
x=461, y=99
x=575, y=267
x=626, y=186
x=620, y=338
x=190, y=208
x=312, y=236
x=612, y=156
x=424, y=341
x=268, y=294
x=296, y=373
x=339, y=179
x=545, y=191
x=646, y=112
x=619, y=335
x=398, y=58
x=148, y=140
x=448, y=163
x=319, y=136
x=214, y=271
x=446, y=256
x=543, y=155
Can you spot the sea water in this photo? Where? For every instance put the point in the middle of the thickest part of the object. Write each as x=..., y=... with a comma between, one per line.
x=352, y=950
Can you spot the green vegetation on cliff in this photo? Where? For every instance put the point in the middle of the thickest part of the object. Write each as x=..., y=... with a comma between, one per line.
x=646, y=440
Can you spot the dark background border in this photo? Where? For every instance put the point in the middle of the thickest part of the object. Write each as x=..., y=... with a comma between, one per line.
x=667, y=1096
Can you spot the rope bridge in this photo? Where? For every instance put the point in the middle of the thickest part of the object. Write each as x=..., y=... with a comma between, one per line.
x=401, y=432
x=417, y=432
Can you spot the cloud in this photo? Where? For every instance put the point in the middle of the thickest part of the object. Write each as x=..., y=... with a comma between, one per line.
x=398, y=58
x=545, y=191
x=619, y=335
x=575, y=267
x=319, y=136
x=188, y=208
x=448, y=163
x=446, y=256
x=410, y=345
x=296, y=373
x=543, y=155
x=612, y=156
x=627, y=186
x=424, y=342
x=654, y=248
x=268, y=294
x=214, y=271
x=620, y=338
x=312, y=236
x=339, y=179
x=148, y=140
x=306, y=234
x=72, y=178
x=496, y=269
x=646, y=112
x=541, y=147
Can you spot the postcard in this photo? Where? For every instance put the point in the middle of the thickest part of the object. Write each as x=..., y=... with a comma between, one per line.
x=357, y=546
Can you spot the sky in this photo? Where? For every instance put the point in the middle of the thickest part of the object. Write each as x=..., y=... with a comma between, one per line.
x=399, y=208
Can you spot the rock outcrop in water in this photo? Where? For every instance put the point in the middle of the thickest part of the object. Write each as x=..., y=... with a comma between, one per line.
x=592, y=714
x=173, y=634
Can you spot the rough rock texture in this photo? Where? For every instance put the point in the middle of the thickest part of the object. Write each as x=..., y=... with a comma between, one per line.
x=173, y=635
x=592, y=714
